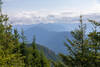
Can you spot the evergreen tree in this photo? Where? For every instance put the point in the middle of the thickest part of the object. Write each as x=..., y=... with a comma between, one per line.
x=35, y=55
x=8, y=58
x=44, y=61
x=23, y=48
x=58, y=64
x=80, y=54
x=16, y=54
x=23, y=44
x=38, y=59
x=16, y=38
x=94, y=41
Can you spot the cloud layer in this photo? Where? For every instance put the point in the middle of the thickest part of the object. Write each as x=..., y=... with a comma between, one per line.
x=46, y=16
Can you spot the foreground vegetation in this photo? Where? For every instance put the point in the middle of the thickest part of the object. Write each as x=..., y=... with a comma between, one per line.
x=84, y=51
x=16, y=54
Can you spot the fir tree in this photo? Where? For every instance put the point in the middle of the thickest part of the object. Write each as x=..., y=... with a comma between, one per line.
x=44, y=61
x=23, y=44
x=80, y=54
x=94, y=41
x=35, y=55
x=8, y=58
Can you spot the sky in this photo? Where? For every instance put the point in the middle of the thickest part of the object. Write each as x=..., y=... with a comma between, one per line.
x=27, y=8
x=58, y=5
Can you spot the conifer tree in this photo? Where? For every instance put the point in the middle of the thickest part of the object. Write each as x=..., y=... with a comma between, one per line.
x=94, y=41
x=35, y=55
x=44, y=61
x=38, y=59
x=58, y=64
x=23, y=44
x=8, y=58
x=16, y=38
x=15, y=54
x=80, y=54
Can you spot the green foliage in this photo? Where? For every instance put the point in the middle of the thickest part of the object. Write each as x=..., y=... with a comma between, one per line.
x=9, y=53
x=48, y=53
x=38, y=59
x=83, y=51
x=44, y=61
x=16, y=54
x=33, y=57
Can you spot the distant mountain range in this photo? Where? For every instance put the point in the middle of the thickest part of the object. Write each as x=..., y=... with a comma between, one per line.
x=58, y=27
x=50, y=30
x=51, y=35
x=52, y=40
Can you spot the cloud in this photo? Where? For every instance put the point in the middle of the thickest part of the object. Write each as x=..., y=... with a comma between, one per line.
x=65, y=16
x=51, y=16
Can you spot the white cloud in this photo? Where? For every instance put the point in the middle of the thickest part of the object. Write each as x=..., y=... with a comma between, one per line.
x=34, y=17
x=46, y=16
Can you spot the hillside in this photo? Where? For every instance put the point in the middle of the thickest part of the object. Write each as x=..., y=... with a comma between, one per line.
x=52, y=36
x=51, y=39
x=47, y=52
